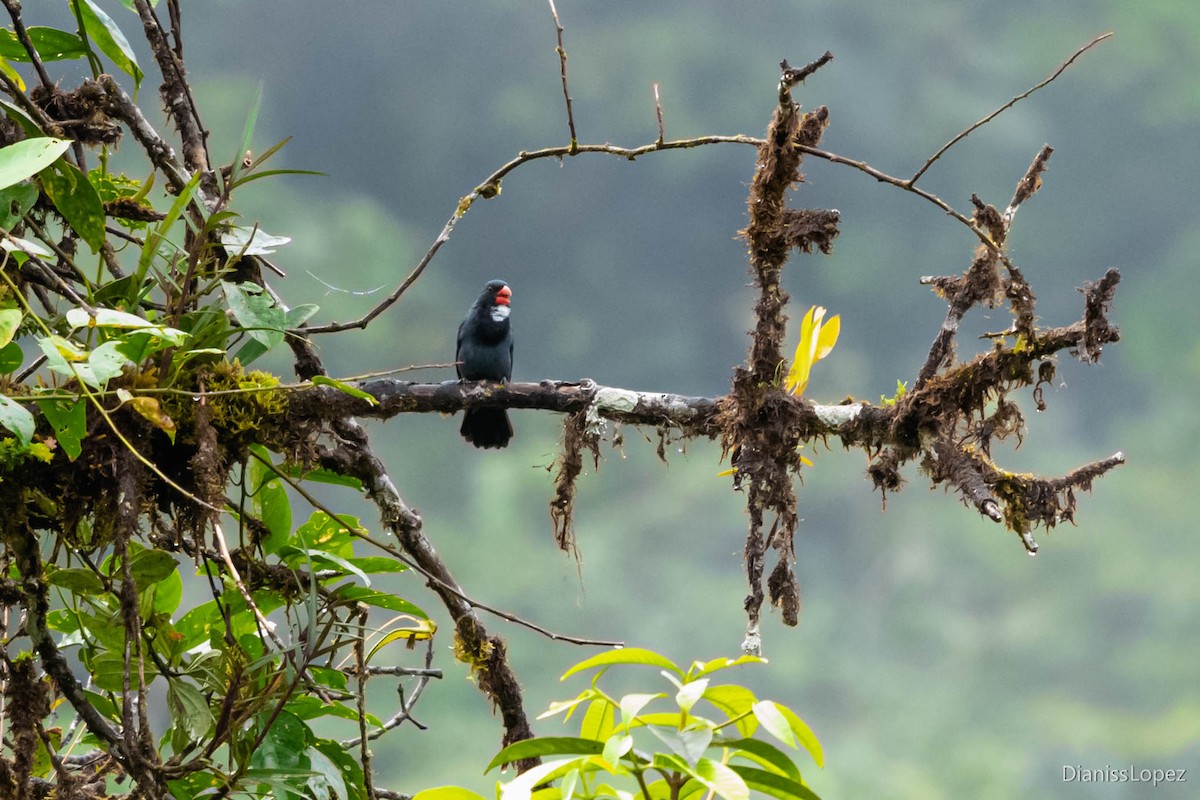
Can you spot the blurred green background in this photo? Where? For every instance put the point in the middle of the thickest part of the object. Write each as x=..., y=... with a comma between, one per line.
x=934, y=659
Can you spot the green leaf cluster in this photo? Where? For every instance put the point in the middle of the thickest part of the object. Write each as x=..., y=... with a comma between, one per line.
x=691, y=738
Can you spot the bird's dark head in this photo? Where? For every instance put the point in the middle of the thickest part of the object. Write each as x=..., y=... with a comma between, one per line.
x=496, y=293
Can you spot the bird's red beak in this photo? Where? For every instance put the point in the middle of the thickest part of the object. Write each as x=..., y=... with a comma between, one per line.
x=504, y=296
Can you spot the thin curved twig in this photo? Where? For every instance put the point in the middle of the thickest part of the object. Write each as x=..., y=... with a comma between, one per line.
x=979, y=124
x=491, y=187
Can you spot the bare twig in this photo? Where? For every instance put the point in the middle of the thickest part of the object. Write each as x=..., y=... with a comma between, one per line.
x=491, y=188
x=14, y=11
x=562, y=62
x=958, y=138
x=438, y=577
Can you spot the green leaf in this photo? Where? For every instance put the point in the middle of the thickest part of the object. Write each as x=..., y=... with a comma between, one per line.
x=269, y=501
x=15, y=202
x=108, y=671
x=17, y=419
x=78, y=581
x=51, y=45
x=263, y=321
x=320, y=476
x=702, y=668
x=763, y=753
x=690, y=694
x=447, y=793
x=376, y=564
x=598, y=720
x=720, y=779
x=774, y=785
x=632, y=705
x=782, y=723
x=10, y=320
x=167, y=594
x=735, y=701
x=346, y=764
x=689, y=744
x=29, y=157
x=373, y=597
x=545, y=746
x=151, y=566
x=624, y=655
x=11, y=358
x=189, y=710
x=108, y=37
x=807, y=738
x=345, y=388
x=617, y=746
x=76, y=199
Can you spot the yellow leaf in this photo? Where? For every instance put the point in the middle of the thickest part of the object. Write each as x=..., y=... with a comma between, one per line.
x=816, y=342
x=149, y=408
x=828, y=336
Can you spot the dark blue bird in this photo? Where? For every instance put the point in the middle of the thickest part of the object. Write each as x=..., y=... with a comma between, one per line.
x=485, y=352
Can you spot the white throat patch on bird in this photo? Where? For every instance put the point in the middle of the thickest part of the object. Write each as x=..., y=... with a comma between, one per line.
x=500, y=313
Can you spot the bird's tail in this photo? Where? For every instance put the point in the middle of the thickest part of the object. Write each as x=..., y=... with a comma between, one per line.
x=487, y=427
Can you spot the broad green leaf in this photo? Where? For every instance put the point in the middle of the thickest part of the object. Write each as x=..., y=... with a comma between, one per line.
x=775, y=722
x=689, y=744
x=78, y=581
x=701, y=668
x=345, y=388
x=320, y=476
x=632, y=704
x=189, y=710
x=104, y=32
x=108, y=670
x=167, y=594
x=12, y=74
x=447, y=793
x=51, y=45
x=28, y=157
x=10, y=320
x=598, y=720
x=328, y=782
x=690, y=694
x=123, y=320
x=347, y=764
x=269, y=501
x=11, y=358
x=373, y=597
x=625, y=655
x=76, y=199
x=151, y=566
x=773, y=785
x=763, y=753
x=69, y=417
x=522, y=786
x=616, y=747
x=736, y=702
x=720, y=779
x=782, y=723
x=15, y=201
x=545, y=746
x=375, y=564
x=17, y=419
x=807, y=738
